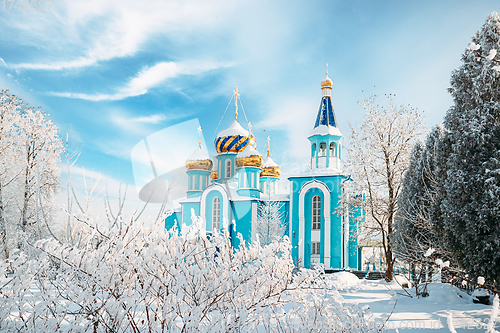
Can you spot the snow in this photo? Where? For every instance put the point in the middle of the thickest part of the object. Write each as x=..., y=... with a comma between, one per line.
x=492, y=54
x=248, y=151
x=473, y=46
x=199, y=155
x=268, y=162
x=345, y=281
x=480, y=280
x=234, y=129
x=429, y=252
x=429, y=314
x=326, y=130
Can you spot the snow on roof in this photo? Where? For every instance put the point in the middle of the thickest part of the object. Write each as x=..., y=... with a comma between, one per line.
x=268, y=162
x=199, y=155
x=234, y=129
x=318, y=172
x=275, y=197
x=248, y=151
x=326, y=130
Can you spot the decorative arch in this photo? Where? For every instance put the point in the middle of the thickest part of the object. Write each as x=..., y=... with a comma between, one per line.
x=326, y=210
x=322, y=149
x=225, y=202
x=333, y=149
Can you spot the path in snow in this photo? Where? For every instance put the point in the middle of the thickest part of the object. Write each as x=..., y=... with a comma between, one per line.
x=430, y=314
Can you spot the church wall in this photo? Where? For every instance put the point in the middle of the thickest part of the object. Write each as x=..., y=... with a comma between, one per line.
x=242, y=215
x=176, y=217
x=186, y=212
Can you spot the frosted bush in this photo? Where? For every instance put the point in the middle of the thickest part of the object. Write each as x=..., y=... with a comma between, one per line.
x=144, y=279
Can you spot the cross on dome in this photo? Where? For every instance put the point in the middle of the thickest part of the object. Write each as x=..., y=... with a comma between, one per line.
x=268, y=145
x=236, y=95
x=199, y=136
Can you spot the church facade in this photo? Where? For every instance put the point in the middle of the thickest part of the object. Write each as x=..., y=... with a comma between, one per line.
x=237, y=188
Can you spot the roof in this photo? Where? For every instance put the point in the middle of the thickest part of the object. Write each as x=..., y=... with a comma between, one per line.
x=199, y=155
x=325, y=120
x=234, y=129
x=326, y=116
x=268, y=162
x=319, y=172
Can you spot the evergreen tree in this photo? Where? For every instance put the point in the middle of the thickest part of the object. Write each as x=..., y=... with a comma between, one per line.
x=405, y=237
x=470, y=202
x=414, y=230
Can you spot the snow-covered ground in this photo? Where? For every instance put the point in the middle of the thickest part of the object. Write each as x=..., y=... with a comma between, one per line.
x=430, y=314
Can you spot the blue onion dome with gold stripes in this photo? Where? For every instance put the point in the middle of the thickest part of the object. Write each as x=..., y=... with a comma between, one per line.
x=249, y=157
x=234, y=139
x=199, y=160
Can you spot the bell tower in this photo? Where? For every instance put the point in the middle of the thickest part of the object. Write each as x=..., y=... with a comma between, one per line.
x=326, y=139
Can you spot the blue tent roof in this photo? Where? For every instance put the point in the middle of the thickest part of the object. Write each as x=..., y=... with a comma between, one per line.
x=326, y=116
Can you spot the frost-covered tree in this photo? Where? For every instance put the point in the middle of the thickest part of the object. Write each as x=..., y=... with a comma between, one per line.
x=470, y=204
x=270, y=225
x=378, y=155
x=29, y=153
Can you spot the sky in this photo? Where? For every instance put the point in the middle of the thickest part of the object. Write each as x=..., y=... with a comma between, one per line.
x=112, y=73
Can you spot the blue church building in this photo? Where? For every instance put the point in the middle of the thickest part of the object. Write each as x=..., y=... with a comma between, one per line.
x=231, y=191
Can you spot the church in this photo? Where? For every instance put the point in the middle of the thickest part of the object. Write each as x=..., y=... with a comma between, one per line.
x=230, y=192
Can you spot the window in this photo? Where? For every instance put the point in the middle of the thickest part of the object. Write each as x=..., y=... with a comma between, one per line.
x=322, y=149
x=228, y=168
x=332, y=149
x=313, y=150
x=201, y=182
x=316, y=213
x=315, y=248
x=216, y=214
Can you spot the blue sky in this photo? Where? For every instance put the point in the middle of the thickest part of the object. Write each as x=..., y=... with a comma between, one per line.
x=111, y=73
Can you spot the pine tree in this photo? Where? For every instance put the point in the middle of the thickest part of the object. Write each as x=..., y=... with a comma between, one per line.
x=470, y=202
x=405, y=237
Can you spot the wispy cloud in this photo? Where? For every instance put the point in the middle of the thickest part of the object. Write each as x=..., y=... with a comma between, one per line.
x=149, y=78
x=77, y=28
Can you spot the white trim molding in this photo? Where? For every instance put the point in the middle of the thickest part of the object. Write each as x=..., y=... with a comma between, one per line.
x=225, y=202
x=326, y=195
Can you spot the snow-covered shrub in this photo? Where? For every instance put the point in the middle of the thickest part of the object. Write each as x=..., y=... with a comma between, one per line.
x=143, y=279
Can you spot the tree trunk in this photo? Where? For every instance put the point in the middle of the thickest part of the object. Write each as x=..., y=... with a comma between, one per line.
x=389, y=272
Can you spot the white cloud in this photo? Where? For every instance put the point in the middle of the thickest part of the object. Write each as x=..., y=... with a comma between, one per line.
x=78, y=26
x=149, y=78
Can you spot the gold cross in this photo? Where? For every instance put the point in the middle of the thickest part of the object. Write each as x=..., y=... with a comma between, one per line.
x=327, y=69
x=236, y=95
x=199, y=136
x=268, y=141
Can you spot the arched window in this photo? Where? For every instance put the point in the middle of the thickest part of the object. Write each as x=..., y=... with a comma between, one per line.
x=313, y=150
x=216, y=214
x=322, y=149
x=228, y=168
x=316, y=213
x=332, y=149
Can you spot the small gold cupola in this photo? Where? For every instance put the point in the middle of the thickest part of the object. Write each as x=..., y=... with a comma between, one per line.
x=327, y=84
x=270, y=168
x=199, y=160
x=249, y=157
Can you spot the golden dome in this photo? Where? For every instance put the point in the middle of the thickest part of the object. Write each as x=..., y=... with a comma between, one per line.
x=249, y=157
x=199, y=160
x=327, y=82
x=270, y=169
